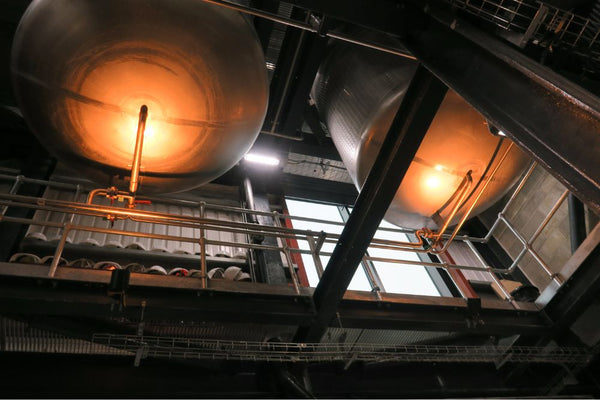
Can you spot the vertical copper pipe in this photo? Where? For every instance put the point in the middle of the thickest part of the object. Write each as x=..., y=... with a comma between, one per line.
x=463, y=191
x=137, y=154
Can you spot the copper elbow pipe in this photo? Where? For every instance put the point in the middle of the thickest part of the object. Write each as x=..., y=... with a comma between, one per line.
x=137, y=154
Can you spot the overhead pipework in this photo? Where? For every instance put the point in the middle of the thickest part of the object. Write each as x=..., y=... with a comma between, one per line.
x=357, y=92
x=207, y=102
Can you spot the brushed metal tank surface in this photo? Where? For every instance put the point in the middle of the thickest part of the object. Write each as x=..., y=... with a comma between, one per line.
x=82, y=69
x=358, y=91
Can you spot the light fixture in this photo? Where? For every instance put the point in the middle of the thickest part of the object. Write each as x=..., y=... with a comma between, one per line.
x=261, y=159
x=500, y=133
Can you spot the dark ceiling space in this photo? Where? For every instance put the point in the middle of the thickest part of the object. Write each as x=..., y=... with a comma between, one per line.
x=527, y=73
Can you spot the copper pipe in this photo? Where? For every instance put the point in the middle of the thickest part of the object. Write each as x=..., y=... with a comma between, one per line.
x=463, y=189
x=473, y=204
x=199, y=223
x=222, y=243
x=137, y=154
x=190, y=203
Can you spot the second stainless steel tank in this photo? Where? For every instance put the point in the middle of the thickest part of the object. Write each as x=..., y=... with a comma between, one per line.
x=359, y=90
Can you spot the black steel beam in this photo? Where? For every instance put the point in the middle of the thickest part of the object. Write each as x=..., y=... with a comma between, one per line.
x=582, y=286
x=311, y=145
x=315, y=52
x=576, y=222
x=307, y=188
x=552, y=119
x=294, y=43
x=27, y=290
x=408, y=128
x=382, y=15
x=374, y=315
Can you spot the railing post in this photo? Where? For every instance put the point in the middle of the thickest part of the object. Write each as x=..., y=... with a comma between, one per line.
x=314, y=251
x=59, y=250
x=13, y=189
x=286, y=252
x=203, y=272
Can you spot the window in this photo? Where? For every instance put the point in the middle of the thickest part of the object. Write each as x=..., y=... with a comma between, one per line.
x=328, y=213
x=394, y=277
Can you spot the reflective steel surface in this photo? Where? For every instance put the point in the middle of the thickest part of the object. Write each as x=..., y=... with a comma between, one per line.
x=358, y=91
x=83, y=68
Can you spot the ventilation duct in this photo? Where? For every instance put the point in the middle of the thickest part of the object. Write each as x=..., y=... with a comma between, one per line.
x=358, y=91
x=83, y=69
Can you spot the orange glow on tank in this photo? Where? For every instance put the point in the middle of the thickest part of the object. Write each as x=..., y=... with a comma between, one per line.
x=198, y=68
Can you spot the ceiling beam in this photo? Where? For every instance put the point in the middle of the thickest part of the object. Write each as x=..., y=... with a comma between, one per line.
x=27, y=290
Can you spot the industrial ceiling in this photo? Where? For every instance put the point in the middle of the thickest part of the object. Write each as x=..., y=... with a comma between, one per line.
x=530, y=69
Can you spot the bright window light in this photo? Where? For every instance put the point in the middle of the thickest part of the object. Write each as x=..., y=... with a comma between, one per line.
x=501, y=133
x=261, y=159
x=396, y=278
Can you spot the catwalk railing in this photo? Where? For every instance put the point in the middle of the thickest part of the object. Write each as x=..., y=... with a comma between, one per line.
x=540, y=23
x=202, y=224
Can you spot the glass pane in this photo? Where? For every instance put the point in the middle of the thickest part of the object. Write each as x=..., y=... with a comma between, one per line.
x=323, y=212
x=401, y=278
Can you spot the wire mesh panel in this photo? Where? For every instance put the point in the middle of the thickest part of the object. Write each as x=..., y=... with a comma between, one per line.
x=508, y=14
x=161, y=347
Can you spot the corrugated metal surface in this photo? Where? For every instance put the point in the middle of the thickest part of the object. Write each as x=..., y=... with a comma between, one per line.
x=19, y=336
x=276, y=38
x=462, y=255
x=317, y=168
x=526, y=213
x=131, y=242
x=378, y=336
x=225, y=331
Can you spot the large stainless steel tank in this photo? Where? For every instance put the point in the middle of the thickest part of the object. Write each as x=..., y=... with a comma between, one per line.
x=358, y=91
x=83, y=68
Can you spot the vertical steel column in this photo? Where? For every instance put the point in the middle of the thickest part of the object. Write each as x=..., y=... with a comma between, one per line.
x=203, y=272
x=408, y=128
x=286, y=253
x=576, y=222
